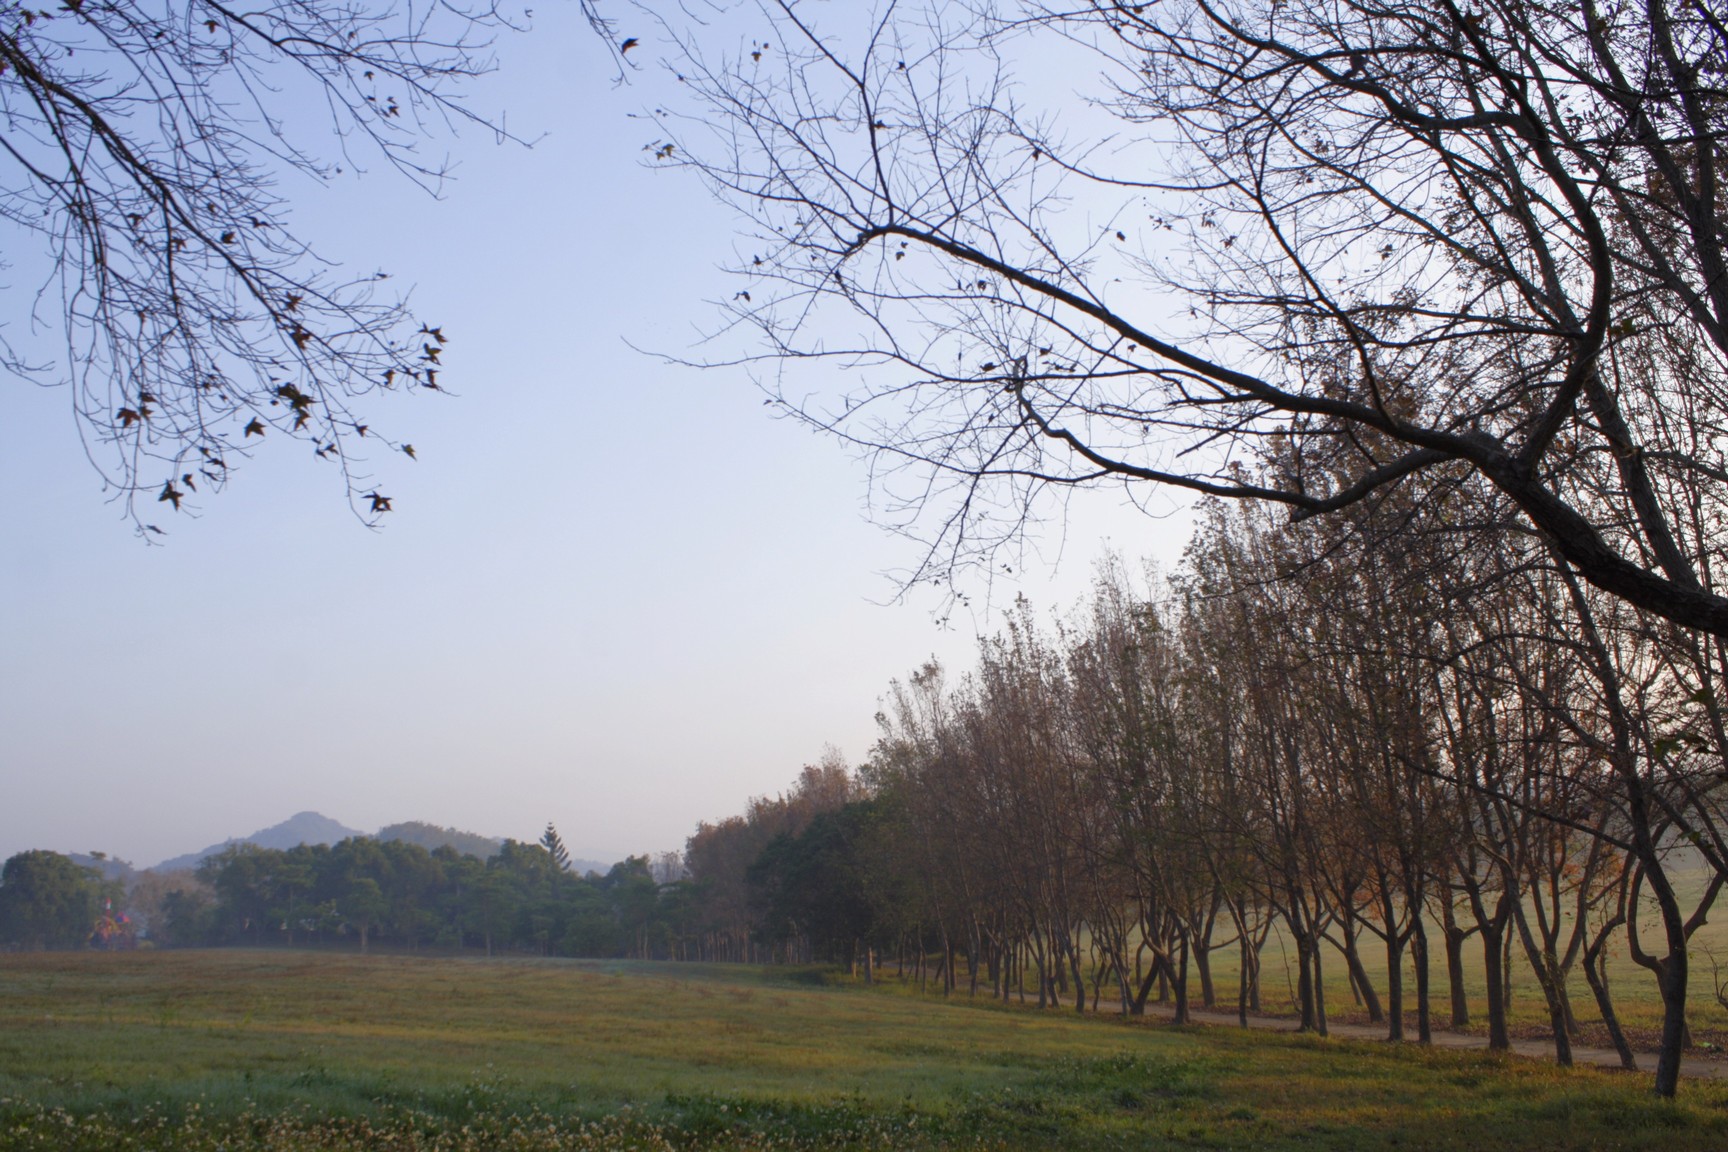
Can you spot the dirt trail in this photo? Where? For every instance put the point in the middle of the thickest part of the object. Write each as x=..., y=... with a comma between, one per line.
x=1693, y=1066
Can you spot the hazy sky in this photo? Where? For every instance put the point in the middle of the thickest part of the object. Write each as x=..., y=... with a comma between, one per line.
x=614, y=594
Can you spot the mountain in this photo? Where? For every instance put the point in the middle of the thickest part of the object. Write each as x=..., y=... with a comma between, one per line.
x=301, y=828
x=430, y=836
x=313, y=828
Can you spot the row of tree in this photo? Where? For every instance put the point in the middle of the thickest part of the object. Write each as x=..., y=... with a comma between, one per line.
x=1404, y=730
x=1450, y=278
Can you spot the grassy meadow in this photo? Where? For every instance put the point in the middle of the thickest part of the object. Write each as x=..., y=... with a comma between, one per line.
x=284, y=1050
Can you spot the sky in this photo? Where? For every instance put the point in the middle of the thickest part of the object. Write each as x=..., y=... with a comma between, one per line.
x=615, y=594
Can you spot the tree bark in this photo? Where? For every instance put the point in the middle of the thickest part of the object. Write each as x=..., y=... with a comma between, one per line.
x=1454, y=943
x=1596, y=973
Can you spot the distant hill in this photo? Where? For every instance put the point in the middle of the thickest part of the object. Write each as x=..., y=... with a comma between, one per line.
x=430, y=836
x=582, y=867
x=111, y=867
x=314, y=828
x=301, y=828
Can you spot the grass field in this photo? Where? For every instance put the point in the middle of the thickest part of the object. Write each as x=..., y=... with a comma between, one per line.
x=1636, y=999
x=1634, y=988
x=293, y=1050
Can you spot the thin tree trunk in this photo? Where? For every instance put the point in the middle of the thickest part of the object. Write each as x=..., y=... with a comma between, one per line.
x=1319, y=991
x=1180, y=982
x=1419, y=955
x=1394, y=983
x=1542, y=962
x=1203, y=965
x=1596, y=973
x=1359, y=979
x=1454, y=942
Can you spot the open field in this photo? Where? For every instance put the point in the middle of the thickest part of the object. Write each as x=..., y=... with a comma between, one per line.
x=278, y=1050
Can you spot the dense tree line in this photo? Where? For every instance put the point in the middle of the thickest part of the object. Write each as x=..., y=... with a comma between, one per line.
x=523, y=899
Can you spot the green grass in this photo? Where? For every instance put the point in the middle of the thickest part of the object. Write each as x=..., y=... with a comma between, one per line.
x=279, y=1050
x=1636, y=999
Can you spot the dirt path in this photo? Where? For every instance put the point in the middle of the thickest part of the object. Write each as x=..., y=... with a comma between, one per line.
x=1693, y=1066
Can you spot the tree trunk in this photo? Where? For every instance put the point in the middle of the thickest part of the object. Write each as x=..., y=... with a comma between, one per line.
x=1242, y=979
x=1455, y=937
x=1671, y=979
x=1506, y=972
x=1596, y=973
x=1419, y=954
x=1179, y=982
x=1079, y=977
x=1319, y=990
x=1203, y=965
x=1145, y=990
x=1493, y=963
x=1360, y=982
x=1394, y=984
x=1254, y=981
x=1548, y=977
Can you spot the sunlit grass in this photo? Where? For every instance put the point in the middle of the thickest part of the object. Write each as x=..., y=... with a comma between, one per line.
x=272, y=1050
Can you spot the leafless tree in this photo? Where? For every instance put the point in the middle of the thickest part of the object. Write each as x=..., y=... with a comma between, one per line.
x=146, y=145
x=1387, y=237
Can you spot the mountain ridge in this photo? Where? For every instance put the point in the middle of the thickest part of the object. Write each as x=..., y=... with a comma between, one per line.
x=315, y=828
x=301, y=828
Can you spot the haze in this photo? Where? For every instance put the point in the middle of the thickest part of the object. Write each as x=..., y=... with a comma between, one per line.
x=614, y=594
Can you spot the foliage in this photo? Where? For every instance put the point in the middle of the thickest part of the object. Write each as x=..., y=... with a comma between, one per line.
x=554, y=845
x=816, y=885
x=397, y=892
x=725, y=921
x=47, y=901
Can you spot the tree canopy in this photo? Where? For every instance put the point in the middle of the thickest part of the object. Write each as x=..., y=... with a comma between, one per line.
x=47, y=901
